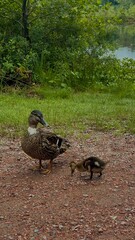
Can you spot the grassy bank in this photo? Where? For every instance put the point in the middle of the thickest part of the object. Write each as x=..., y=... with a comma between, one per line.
x=68, y=112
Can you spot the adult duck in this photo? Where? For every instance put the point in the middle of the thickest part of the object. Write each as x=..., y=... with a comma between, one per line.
x=40, y=143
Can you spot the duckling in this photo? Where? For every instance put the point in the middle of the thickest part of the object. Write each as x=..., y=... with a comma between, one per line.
x=94, y=165
x=40, y=143
x=91, y=164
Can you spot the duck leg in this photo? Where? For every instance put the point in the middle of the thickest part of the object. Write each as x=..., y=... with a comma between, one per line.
x=49, y=170
x=41, y=166
x=38, y=167
x=91, y=175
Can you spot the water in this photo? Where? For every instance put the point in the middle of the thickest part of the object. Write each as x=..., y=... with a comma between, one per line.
x=125, y=37
x=124, y=52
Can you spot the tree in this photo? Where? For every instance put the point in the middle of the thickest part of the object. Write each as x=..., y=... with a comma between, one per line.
x=58, y=36
x=25, y=14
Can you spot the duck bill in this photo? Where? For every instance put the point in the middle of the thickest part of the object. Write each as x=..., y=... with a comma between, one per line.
x=43, y=122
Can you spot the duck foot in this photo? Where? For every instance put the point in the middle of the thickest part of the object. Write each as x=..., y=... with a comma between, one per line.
x=45, y=171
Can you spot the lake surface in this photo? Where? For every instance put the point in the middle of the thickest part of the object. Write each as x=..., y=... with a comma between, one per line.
x=124, y=52
x=125, y=38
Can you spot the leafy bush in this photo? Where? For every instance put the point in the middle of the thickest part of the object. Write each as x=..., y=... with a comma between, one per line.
x=17, y=61
x=67, y=45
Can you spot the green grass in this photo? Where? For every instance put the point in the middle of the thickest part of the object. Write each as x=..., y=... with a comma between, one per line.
x=68, y=113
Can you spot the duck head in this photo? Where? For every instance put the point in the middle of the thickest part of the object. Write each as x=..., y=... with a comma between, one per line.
x=36, y=117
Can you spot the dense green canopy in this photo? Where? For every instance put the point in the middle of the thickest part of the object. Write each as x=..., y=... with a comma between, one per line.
x=57, y=42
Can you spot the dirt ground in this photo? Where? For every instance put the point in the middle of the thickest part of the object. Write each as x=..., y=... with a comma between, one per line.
x=60, y=207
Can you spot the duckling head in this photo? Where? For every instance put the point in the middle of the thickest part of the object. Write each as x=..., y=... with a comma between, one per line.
x=36, y=117
x=73, y=167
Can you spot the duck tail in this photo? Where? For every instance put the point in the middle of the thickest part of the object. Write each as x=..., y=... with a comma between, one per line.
x=64, y=145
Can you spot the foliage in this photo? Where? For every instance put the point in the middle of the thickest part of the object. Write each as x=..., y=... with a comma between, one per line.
x=64, y=45
x=115, y=71
x=17, y=61
x=60, y=33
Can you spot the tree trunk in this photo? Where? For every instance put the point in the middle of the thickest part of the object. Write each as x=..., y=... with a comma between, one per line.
x=25, y=15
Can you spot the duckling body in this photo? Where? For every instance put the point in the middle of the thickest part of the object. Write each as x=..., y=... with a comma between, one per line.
x=94, y=165
x=41, y=144
x=91, y=164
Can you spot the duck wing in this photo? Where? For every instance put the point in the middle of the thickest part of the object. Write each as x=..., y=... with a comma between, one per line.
x=94, y=162
x=52, y=144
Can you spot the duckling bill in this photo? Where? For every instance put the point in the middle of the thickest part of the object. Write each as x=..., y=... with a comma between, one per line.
x=91, y=164
x=40, y=143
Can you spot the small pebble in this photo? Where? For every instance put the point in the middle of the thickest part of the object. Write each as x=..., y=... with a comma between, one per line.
x=100, y=230
x=75, y=228
x=36, y=230
x=44, y=238
x=85, y=195
x=66, y=205
x=61, y=226
x=123, y=223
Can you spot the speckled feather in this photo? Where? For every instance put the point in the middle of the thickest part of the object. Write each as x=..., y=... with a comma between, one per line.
x=44, y=145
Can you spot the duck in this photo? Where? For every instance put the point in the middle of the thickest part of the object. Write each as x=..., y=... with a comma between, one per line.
x=41, y=143
x=91, y=164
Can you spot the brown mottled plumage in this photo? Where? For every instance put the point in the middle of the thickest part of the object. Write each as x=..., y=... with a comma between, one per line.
x=40, y=143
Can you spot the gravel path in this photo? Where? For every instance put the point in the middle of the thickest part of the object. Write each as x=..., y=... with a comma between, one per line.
x=60, y=207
